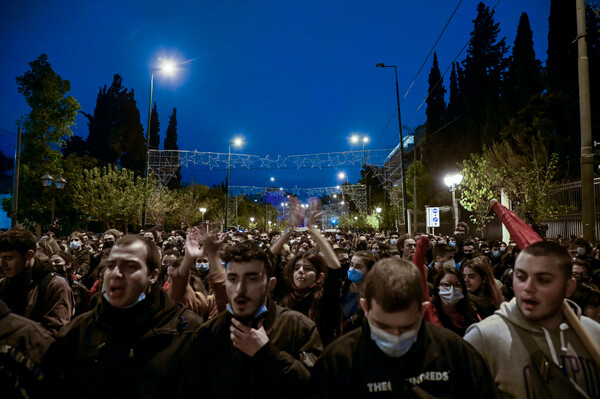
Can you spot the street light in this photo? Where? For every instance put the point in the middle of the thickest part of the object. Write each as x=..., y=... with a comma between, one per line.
x=355, y=139
x=404, y=210
x=168, y=67
x=203, y=211
x=59, y=183
x=237, y=141
x=453, y=180
x=266, y=192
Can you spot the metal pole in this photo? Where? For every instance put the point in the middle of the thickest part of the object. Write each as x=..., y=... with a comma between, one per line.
x=227, y=190
x=404, y=210
x=148, y=146
x=454, y=207
x=588, y=211
x=414, y=184
x=16, y=182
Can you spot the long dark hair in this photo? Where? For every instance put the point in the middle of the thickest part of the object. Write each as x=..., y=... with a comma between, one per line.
x=464, y=306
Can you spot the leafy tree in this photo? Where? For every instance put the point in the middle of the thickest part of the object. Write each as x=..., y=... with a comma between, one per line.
x=112, y=196
x=45, y=130
x=436, y=109
x=154, y=129
x=171, y=144
x=482, y=80
x=6, y=168
x=116, y=134
x=75, y=145
x=424, y=184
x=479, y=185
x=524, y=77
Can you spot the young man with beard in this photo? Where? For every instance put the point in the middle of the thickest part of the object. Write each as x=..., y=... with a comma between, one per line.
x=29, y=287
x=396, y=353
x=132, y=343
x=533, y=321
x=255, y=348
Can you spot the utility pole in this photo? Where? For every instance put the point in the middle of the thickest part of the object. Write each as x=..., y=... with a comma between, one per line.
x=15, y=209
x=414, y=229
x=588, y=211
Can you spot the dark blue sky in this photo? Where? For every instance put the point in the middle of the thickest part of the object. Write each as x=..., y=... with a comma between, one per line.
x=290, y=77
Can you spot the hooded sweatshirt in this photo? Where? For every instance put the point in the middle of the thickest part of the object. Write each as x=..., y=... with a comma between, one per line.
x=500, y=345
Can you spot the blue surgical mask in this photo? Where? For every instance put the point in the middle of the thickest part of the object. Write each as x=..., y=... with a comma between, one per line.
x=449, y=263
x=354, y=275
x=580, y=251
x=140, y=299
x=394, y=345
x=495, y=254
x=393, y=241
x=202, y=266
x=75, y=244
x=451, y=296
x=452, y=244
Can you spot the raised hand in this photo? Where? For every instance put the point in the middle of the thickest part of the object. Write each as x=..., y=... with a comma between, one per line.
x=296, y=212
x=314, y=211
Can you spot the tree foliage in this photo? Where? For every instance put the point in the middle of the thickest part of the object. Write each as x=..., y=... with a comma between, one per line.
x=171, y=144
x=112, y=196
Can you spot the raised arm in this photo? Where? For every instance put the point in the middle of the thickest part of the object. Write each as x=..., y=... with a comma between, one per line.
x=296, y=216
x=314, y=213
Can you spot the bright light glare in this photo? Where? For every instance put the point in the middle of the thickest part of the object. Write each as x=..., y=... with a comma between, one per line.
x=238, y=141
x=342, y=175
x=365, y=139
x=168, y=67
x=354, y=139
x=378, y=209
x=453, y=179
x=272, y=179
x=202, y=210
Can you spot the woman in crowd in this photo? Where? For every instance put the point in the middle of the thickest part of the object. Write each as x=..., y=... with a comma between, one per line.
x=481, y=284
x=360, y=264
x=451, y=301
x=65, y=264
x=312, y=278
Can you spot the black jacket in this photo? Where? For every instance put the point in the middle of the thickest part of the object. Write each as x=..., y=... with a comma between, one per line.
x=279, y=369
x=134, y=353
x=439, y=363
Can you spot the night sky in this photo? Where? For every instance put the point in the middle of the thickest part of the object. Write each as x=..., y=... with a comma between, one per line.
x=290, y=77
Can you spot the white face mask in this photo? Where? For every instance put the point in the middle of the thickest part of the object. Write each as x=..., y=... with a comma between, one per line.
x=451, y=296
x=449, y=263
x=394, y=345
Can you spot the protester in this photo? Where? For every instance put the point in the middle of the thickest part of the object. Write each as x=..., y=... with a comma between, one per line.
x=533, y=322
x=29, y=287
x=481, y=284
x=256, y=348
x=451, y=302
x=397, y=354
x=132, y=343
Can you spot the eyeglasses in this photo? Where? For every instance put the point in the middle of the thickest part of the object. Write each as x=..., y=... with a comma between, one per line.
x=447, y=285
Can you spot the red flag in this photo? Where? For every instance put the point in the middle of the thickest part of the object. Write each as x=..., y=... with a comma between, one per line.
x=519, y=231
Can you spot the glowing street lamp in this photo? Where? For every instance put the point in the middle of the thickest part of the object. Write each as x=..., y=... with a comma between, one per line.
x=168, y=68
x=402, y=177
x=355, y=139
x=237, y=141
x=453, y=180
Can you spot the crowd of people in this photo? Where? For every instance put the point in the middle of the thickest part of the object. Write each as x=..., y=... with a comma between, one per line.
x=297, y=313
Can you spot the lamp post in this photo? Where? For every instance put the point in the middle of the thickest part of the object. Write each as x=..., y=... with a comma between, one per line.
x=167, y=67
x=404, y=210
x=59, y=183
x=203, y=211
x=378, y=210
x=237, y=142
x=355, y=139
x=453, y=180
x=266, y=193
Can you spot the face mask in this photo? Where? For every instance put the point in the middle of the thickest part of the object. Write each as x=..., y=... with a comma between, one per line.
x=394, y=345
x=202, y=266
x=108, y=244
x=451, y=296
x=495, y=254
x=354, y=275
x=75, y=245
x=140, y=298
x=452, y=244
x=580, y=251
x=449, y=263
x=394, y=241
x=468, y=256
x=361, y=246
x=502, y=249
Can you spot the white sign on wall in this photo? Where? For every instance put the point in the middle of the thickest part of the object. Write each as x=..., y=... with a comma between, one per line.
x=433, y=216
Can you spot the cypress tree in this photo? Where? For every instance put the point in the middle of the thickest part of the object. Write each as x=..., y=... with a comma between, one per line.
x=154, y=129
x=171, y=144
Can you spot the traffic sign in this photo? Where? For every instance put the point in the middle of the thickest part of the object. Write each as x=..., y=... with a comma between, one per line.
x=433, y=216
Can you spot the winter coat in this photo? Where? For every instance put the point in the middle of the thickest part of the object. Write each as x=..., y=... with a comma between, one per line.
x=439, y=363
x=134, y=353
